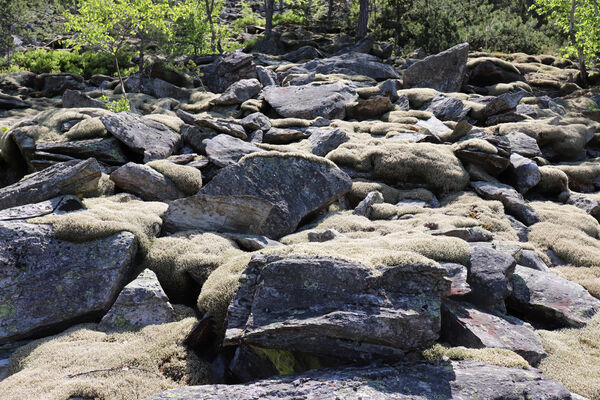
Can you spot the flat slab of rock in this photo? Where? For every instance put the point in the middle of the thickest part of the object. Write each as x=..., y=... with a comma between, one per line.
x=336, y=308
x=465, y=325
x=224, y=150
x=309, y=102
x=141, y=303
x=323, y=140
x=233, y=213
x=72, y=177
x=443, y=72
x=239, y=92
x=57, y=205
x=105, y=150
x=296, y=185
x=513, y=201
x=150, y=139
x=548, y=299
x=404, y=381
x=48, y=284
x=145, y=182
x=9, y=102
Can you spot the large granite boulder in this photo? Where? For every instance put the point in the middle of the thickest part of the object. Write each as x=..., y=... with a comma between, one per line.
x=47, y=284
x=297, y=185
x=149, y=139
x=330, y=307
x=309, y=102
x=71, y=177
x=404, y=381
x=228, y=69
x=443, y=72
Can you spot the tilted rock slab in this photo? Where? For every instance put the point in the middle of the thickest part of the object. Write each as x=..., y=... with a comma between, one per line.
x=47, y=284
x=223, y=150
x=149, y=139
x=513, y=201
x=145, y=182
x=464, y=380
x=297, y=186
x=336, y=308
x=443, y=72
x=71, y=177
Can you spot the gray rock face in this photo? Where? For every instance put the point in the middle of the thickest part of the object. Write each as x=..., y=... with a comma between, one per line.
x=404, y=381
x=550, y=300
x=232, y=128
x=324, y=140
x=227, y=70
x=503, y=103
x=513, y=202
x=141, y=303
x=448, y=108
x=145, y=182
x=57, y=205
x=149, y=139
x=283, y=136
x=369, y=109
x=365, y=207
x=475, y=234
x=104, y=150
x=164, y=89
x=71, y=177
x=9, y=102
x=48, y=284
x=224, y=150
x=239, y=92
x=256, y=121
x=466, y=325
x=489, y=276
x=76, y=99
x=308, y=102
x=56, y=84
x=523, y=173
x=296, y=304
x=530, y=259
x=239, y=214
x=444, y=71
x=586, y=203
x=295, y=184
x=266, y=76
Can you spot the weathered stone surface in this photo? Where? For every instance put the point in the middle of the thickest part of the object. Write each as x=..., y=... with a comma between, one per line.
x=489, y=276
x=266, y=76
x=457, y=273
x=239, y=92
x=530, y=259
x=280, y=304
x=368, y=109
x=295, y=184
x=524, y=145
x=9, y=102
x=513, y=202
x=549, y=300
x=327, y=101
x=240, y=214
x=104, y=150
x=444, y=71
x=586, y=203
x=228, y=69
x=228, y=127
x=163, y=89
x=523, y=173
x=325, y=236
x=71, y=177
x=76, y=99
x=57, y=205
x=365, y=207
x=324, y=140
x=404, y=381
x=256, y=121
x=448, y=108
x=145, y=182
x=490, y=71
x=224, y=150
x=303, y=53
x=466, y=325
x=56, y=84
x=283, y=136
x=150, y=139
x=503, y=103
x=48, y=284
x=141, y=303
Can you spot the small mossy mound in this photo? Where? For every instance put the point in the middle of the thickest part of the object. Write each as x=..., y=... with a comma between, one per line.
x=173, y=122
x=89, y=128
x=360, y=190
x=566, y=215
x=278, y=154
x=105, y=216
x=404, y=163
x=573, y=358
x=187, y=179
x=582, y=173
x=182, y=262
x=480, y=145
x=500, y=357
x=553, y=181
x=589, y=277
x=570, y=244
x=83, y=362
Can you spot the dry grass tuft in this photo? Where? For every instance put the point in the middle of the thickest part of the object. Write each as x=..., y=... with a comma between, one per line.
x=589, y=277
x=500, y=357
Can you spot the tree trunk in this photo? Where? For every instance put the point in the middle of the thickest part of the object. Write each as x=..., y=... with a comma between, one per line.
x=269, y=5
x=363, y=19
x=330, y=12
x=213, y=35
x=580, y=55
x=280, y=6
x=116, y=55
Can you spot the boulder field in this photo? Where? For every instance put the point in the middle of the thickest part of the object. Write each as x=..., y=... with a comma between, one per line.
x=322, y=223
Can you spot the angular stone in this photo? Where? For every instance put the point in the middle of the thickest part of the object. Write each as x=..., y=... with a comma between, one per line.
x=523, y=173
x=224, y=150
x=239, y=214
x=280, y=304
x=308, y=102
x=145, y=182
x=9, y=102
x=503, y=103
x=297, y=186
x=57, y=205
x=76, y=99
x=365, y=207
x=448, y=108
x=266, y=76
x=239, y=92
x=47, y=284
x=228, y=69
x=444, y=72
x=141, y=303
x=489, y=276
x=150, y=139
x=256, y=121
x=549, y=300
x=72, y=177
x=325, y=236
x=466, y=325
x=513, y=201
x=283, y=136
x=461, y=380
x=56, y=84
x=324, y=140
x=457, y=273
x=368, y=109
x=586, y=203
x=231, y=128
x=530, y=259
x=104, y=150
x=163, y=89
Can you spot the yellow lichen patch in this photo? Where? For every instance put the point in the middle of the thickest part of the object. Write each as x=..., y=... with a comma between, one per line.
x=83, y=362
x=588, y=277
x=500, y=357
x=396, y=163
x=187, y=179
x=573, y=356
x=105, y=216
